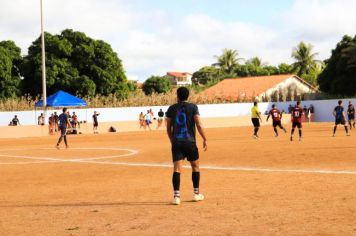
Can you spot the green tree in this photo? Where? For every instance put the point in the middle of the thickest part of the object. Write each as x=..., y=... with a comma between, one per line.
x=228, y=60
x=206, y=75
x=285, y=68
x=304, y=58
x=156, y=84
x=10, y=62
x=77, y=64
x=339, y=75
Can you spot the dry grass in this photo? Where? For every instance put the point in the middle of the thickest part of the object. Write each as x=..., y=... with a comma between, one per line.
x=135, y=99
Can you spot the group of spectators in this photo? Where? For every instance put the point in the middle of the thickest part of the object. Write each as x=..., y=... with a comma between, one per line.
x=53, y=121
x=146, y=120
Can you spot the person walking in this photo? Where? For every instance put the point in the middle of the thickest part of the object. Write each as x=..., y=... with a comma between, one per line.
x=182, y=120
x=63, y=124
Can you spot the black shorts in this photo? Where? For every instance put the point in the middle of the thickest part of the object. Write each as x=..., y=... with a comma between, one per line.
x=297, y=124
x=351, y=117
x=277, y=123
x=182, y=150
x=63, y=130
x=96, y=124
x=255, y=122
x=340, y=121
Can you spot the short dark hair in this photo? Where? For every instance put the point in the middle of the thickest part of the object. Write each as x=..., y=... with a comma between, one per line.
x=298, y=103
x=255, y=103
x=182, y=93
x=273, y=106
x=340, y=101
x=64, y=109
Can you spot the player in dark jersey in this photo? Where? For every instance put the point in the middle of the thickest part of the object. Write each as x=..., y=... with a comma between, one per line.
x=182, y=119
x=297, y=114
x=63, y=123
x=276, y=119
x=351, y=115
x=340, y=117
x=95, y=122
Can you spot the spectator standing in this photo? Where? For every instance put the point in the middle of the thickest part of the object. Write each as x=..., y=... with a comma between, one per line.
x=41, y=119
x=95, y=122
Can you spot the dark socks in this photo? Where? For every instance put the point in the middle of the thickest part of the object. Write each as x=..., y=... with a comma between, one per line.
x=335, y=129
x=347, y=131
x=59, y=140
x=255, y=131
x=176, y=183
x=196, y=180
x=65, y=140
x=300, y=133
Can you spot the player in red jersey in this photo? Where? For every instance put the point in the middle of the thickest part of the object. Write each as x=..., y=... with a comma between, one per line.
x=297, y=114
x=276, y=119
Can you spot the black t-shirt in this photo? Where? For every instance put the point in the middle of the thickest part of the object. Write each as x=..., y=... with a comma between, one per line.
x=338, y=112
x=182, y=118
x=351, y=110
x=63, y=118
x=15, y=121
x=160, y=114
x=95, y=118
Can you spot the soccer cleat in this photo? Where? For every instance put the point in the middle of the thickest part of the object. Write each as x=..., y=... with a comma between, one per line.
x=198, y=197
x=176, y=201
x=347, y=134
x=57, y=146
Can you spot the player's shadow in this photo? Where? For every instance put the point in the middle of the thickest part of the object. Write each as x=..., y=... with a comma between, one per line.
x=88, y=204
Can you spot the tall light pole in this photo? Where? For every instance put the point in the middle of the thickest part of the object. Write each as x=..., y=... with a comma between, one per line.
x=44, y=93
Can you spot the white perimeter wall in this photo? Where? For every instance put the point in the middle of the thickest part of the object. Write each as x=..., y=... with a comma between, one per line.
x=323, y=111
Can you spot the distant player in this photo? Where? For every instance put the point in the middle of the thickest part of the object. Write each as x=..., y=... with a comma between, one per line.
x=255, y=118
x=160, y=118
x=351, y=115
x=182, y=118
x=297, y=114
x=340, y=117
x=95, y=122
x=63, y=124
x=276, y=119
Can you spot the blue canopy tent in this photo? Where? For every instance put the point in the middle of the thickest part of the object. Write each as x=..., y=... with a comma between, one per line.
x=61, y=99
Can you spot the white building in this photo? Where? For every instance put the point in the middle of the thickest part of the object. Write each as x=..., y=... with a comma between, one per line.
x=180, y=78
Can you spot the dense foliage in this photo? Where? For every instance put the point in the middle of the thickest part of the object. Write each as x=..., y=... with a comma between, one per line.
x=157, y=84
x=10, y=61
x=75, y=63
x=339, y=75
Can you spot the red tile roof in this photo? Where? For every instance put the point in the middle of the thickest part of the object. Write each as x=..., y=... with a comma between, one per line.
x=178, y=74
x=247, y=87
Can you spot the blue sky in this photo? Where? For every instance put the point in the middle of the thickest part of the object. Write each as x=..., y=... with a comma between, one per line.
x=155, y=36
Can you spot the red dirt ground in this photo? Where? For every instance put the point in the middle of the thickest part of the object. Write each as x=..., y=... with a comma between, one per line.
x=67, y=196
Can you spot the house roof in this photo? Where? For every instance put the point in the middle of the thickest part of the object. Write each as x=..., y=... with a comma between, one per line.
x=178, y=74
x=247, y=87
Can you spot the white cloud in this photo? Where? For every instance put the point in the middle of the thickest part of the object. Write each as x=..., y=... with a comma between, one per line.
x=153, y=42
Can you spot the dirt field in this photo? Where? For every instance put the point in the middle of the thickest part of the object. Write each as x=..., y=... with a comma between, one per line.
x=120, y=184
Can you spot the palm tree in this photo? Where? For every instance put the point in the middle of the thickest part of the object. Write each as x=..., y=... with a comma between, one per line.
x=228, y=60
x=257, y=62
x=305, y=59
